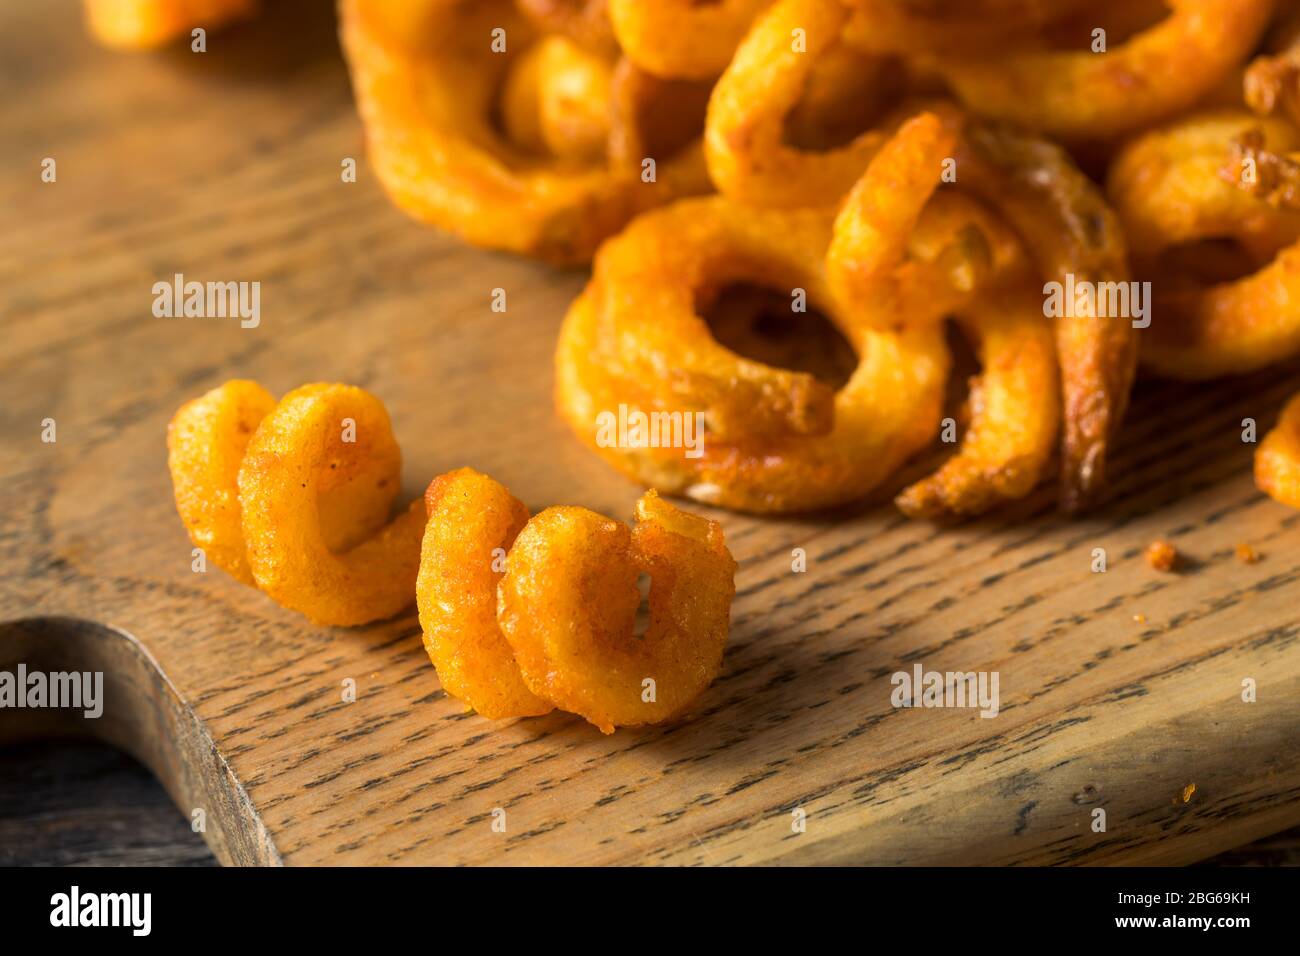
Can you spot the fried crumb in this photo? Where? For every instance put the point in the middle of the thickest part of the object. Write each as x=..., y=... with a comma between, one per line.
x=1188, y=791
x=1162, y=555
x=1139, y=618
x=1246, y=554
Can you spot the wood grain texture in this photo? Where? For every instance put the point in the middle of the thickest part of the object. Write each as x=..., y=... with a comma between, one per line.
x=225, y=166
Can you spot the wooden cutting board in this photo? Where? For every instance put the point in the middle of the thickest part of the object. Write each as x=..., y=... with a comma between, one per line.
x=1119, y=690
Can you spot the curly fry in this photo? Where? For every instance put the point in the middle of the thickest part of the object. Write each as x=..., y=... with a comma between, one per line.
x=1015, y=413
x=1014, y=403
x=682, y=39
x=1079, y=95
x=306, y=487
x=581, y=654
x=1070, y=231
x=867, y=262
x=1277, y=460
x=427, y=84
x=1229, y=327
x=144, y=24
x=744, y=142
x=473, y=521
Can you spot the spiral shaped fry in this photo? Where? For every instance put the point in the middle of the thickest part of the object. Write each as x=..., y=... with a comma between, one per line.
x=294, y=497
x=522, y=615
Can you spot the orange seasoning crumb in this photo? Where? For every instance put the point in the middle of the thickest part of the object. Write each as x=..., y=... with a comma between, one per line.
x=1188, y=791
x=1246, y=554
x=1162, y=555
x=1139, y=618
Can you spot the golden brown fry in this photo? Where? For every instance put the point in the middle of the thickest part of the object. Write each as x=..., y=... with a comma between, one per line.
x=582, y=653
x=1277, y=460
x=1015, y=408
x=1169, y=188
x=745, y=146
x=1072, y=235
x=472, y=523
x=295, y=497
x=906, y=256
x=1079, y=94
x=316, y=487
x=143, y=24
x=1015, y=413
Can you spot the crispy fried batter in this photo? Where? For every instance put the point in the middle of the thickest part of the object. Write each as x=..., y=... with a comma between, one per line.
x=748, y=157
x=294, y=497
x=1070, y=231
x=568, y=604
x=1169, y=188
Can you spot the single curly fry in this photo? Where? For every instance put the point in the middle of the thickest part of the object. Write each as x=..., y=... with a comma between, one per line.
x=773, y=442
x=656, y=273
x=143, y=24
x=1078, y=95
x=428, y=84
x=293, y=497
x=1228, y=327
x=1184, y=183
x=1015, y=412
x=1277, y=460
x=744, y=139
x=682, y=39
x=206, y=443
x=581, y=653
x=316, y=486
x=472, y=523
x=867, y=262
